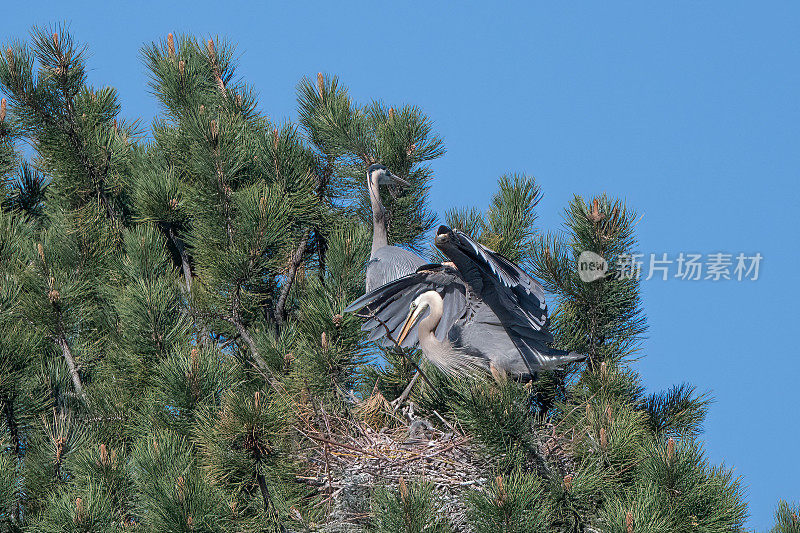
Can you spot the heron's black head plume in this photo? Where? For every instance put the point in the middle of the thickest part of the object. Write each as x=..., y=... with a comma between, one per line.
x=375, y=166
x=443, y=235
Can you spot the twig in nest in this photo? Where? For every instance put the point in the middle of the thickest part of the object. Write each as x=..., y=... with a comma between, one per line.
x=446, y=423
x=341, y=444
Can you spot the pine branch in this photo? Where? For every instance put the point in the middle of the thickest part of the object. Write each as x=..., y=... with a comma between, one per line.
x=187, y=271
x=251, y=343
x=262, y=486
x=11, y=423
x=294, y=264
x=66, y=352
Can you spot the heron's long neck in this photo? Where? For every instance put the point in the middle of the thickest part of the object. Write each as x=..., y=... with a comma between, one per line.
x=379, y=236
x=427, y=326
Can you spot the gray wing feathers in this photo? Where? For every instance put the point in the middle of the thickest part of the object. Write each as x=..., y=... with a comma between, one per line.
x=506, y=271
x=390, y=304
x=540, y=357
x=455, y=303
x=506, y=324
x=521, y=295
x=390, y=263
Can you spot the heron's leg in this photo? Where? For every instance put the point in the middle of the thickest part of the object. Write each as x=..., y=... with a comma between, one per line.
x=498, y=374
x=400, y=399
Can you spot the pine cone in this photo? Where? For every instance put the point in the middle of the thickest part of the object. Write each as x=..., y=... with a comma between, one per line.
x=180, y=488
x=104, y=455
x=403, y=489
x=10, y=59
x=596, y=216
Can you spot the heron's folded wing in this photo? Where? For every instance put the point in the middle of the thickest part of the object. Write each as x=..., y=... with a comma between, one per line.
x=541, y=357
x=390, y=263
x=387, y=307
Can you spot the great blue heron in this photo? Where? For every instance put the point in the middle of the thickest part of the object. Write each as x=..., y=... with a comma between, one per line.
x=386, y=263
x=484, y=310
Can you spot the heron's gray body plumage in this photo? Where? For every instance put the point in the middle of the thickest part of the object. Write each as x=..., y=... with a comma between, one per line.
x=492, y=311
x=389, y=263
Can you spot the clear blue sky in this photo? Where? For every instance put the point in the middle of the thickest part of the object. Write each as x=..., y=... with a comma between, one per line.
x=689, y=110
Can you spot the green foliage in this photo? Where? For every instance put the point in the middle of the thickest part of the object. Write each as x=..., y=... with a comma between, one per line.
x=786, y=518
x=509, y=225
x=8, y=153
x=603, y=318
x=147, y=300
x=396, y=370
x=332, y=348
x=10, y=480
x=171, y=492
x=81, y=145
x=677, y=490
x=410, y=507
x=184, y=384
x=244, y=449
x=50, y=457
x=499, y=415
x=85, y=511
x=349, y=137
x=515, y=503
x=642, y=510
x=677, y=411
x=27, y=192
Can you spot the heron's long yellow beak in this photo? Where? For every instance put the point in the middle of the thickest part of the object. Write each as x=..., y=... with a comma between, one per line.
x=411, y=319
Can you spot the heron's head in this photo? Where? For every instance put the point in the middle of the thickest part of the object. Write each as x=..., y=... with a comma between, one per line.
x=380, y=175
x=444, y=236
x=417, y=308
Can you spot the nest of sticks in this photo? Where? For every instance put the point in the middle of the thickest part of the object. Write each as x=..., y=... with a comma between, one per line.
x=348, y=457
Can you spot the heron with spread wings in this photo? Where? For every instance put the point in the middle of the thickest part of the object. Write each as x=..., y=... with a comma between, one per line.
x=483, y=311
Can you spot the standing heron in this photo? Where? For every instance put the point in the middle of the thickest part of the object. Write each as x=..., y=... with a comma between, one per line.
x=484, y=311
x=386, y=263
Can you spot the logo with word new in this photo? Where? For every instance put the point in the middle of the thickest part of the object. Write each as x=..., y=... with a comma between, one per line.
x=591, y=266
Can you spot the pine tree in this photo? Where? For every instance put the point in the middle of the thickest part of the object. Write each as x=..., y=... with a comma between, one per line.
x=174, y=354
x=786, y=518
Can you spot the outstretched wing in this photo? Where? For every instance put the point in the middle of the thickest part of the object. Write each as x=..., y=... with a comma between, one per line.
x=386, y=307
x=521, y=298
x=508, y=272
